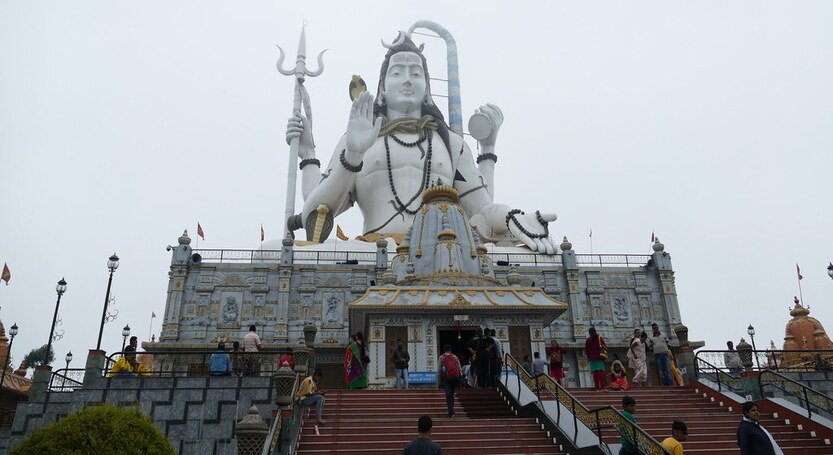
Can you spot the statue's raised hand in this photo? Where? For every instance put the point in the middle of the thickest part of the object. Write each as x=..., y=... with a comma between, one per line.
x=495, y=116
x=361, y=130
x=532, y=230
x=298, y=127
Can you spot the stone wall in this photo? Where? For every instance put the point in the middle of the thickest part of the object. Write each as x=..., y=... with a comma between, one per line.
x=197, y=415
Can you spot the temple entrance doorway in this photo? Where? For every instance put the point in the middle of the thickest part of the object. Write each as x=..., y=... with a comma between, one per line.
x=458, y=338
x=520, y=344
x=391, y=335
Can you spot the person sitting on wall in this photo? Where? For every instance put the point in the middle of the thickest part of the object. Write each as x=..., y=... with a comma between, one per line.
x=309, y=395
x=220, y=362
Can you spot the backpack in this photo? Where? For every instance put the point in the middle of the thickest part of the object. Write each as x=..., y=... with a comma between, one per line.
x=450, y=366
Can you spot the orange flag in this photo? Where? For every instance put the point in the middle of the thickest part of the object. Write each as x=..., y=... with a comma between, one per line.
x=340, y=233
x=7, y=274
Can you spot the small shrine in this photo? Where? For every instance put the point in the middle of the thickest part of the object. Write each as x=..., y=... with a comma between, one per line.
x=804, y=333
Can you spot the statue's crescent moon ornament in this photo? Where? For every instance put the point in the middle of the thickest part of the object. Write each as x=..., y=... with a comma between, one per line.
x=357, y=87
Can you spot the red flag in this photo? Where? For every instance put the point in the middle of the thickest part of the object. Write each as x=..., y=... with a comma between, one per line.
x=7, y=274
x=200, y=232
x=798, y=271
x=152, y=315
x=262, y=234
x=653, y=237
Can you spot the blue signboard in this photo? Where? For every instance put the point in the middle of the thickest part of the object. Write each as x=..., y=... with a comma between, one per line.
x=422, y=377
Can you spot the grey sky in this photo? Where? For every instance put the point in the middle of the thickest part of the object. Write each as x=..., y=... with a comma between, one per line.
x=123, y=123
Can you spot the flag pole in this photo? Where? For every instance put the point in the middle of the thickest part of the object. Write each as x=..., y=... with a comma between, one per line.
x=798, y=272
x=591, y=241
x=150, y=330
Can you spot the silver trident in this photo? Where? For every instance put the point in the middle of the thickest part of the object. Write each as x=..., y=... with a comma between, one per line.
x=301, y=99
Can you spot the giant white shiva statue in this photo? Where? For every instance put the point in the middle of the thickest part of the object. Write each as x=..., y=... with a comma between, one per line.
x=397, y=145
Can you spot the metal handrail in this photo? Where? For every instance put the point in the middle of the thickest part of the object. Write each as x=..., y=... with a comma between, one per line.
x=776, y=359
x=61, y=380
x=801, y=391
x=596, y=419
x=727, y=378
x=301, y=256
x=185, y=362
x=613, y=260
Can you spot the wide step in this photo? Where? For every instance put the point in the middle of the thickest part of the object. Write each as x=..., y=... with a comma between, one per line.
x=384, y=421
x=711, y=427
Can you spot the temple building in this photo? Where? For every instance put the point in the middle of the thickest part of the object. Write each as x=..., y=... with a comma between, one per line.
x=434, y=288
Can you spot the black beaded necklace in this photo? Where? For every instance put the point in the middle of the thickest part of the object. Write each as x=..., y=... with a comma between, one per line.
x=426, y=170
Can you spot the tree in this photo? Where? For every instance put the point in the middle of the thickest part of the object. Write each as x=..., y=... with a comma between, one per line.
x=37, y=357
x=98, y=430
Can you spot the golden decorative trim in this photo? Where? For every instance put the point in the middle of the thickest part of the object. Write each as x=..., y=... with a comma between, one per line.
x=441, y=192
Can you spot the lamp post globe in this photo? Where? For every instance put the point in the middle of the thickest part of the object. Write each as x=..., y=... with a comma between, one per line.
x=60, y=288
x=125, y=332
x=12, y=333
x=751, y=332
x=112, y=264
x=68, y=358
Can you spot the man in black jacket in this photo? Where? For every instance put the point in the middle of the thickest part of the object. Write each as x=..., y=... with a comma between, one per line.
x=753, y=439
x=400, y=359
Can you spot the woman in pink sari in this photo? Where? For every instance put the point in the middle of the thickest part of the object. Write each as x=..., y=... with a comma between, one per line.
x=355, y=362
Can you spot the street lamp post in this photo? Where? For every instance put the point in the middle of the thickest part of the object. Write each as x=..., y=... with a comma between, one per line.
x=13, y=333
x=751, y=331
x=60, y=289
x=68, y=359
x=125, y=332
x=112, y=264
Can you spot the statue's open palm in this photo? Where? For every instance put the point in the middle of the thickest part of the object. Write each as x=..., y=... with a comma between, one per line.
x=361, y=130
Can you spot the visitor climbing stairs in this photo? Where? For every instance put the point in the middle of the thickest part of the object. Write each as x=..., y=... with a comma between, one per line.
x=384, y=421
x=711, y=427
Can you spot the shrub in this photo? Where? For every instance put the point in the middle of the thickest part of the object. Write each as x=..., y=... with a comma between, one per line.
x=97, y=430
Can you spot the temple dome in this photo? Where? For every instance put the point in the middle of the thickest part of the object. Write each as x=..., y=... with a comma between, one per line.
x=440, y=246
x=804, y=332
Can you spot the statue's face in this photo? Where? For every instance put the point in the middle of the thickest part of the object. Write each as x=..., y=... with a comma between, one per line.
x=405, y=82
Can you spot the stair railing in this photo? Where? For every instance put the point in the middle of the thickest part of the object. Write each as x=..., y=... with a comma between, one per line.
x=723, y=378
x=596, y=419
x=804, y=394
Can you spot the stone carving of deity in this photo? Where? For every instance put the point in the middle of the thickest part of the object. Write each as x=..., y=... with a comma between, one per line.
x=231, y=310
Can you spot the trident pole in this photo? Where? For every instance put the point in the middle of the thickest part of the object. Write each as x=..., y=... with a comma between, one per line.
x=301, y=99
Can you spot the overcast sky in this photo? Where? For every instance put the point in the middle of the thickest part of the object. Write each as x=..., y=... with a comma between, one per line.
x=123, y=123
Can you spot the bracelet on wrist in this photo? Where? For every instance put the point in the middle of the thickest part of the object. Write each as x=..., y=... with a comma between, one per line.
x=349, y=166
x=486, y=156
x=309, y=161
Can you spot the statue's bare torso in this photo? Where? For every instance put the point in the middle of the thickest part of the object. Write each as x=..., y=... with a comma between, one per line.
x=373, y=188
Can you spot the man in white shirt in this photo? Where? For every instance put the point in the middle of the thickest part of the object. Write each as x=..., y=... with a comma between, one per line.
x=251, y=342
x=659, y=344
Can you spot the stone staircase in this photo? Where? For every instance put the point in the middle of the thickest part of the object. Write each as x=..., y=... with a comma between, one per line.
x=712, y=428
x=384, y=421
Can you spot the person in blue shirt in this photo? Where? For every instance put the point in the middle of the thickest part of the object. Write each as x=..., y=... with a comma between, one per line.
x=220, y=363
